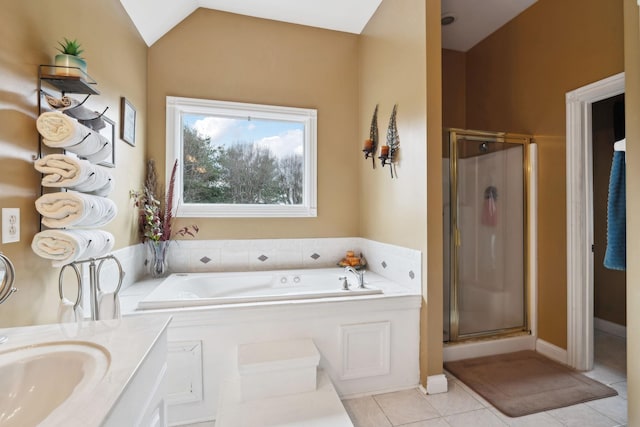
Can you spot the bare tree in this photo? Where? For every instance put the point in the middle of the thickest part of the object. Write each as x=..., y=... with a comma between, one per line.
x=290, y=177
x=249, y=174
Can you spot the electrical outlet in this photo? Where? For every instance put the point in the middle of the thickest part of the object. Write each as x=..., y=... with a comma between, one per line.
x=10, y=225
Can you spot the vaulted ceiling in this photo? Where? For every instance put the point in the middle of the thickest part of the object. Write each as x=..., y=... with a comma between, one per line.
x=474, y=19
x=154, y=18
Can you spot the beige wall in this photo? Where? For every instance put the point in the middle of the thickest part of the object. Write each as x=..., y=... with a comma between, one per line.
x=229, y=57
x=393, y=70
x=454, y=89
x=517, y=79
x=117, y=59
x=632, y=112
x=432, y=332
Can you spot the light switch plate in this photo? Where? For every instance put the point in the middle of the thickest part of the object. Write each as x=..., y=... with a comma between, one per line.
x=10, y=225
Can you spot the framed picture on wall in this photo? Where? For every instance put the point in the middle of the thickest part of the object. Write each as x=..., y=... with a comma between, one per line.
x=109, y=132
x=127, y=122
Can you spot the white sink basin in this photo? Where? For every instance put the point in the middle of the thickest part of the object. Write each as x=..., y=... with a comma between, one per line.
x=37, y=379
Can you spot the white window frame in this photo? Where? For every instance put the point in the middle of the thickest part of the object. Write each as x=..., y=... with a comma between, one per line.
x=176, y=106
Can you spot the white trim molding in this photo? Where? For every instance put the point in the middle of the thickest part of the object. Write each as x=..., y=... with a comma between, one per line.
x=580, y=218
x=533, y=239
x=551, y=351
x=177, y=108
x=366, y=350
x=436, y=384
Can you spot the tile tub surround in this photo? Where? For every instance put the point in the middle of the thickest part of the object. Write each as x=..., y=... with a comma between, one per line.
x=128, y=342
x=399, y=264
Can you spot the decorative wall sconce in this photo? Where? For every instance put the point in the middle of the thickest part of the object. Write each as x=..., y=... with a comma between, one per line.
x=389, y=152
x=371, y=144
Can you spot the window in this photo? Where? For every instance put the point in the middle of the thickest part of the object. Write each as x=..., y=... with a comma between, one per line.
x=242, y=160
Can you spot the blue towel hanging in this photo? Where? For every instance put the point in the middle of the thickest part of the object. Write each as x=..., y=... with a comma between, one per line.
x=615, y=257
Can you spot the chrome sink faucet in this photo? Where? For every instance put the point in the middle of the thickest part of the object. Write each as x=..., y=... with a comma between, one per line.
x=359, y=275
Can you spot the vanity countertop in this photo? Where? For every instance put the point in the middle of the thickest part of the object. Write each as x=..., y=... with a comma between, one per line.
x=127, y=341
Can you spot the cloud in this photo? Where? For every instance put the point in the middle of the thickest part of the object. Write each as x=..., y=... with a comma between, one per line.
x=213, y=127
x=286, y=143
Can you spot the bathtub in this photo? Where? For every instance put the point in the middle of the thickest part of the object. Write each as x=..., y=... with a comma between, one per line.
x=203, y=289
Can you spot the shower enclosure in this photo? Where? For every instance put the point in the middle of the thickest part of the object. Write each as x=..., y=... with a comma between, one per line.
x=485, y=233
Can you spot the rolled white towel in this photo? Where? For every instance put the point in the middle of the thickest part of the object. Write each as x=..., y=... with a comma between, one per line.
x=61, y=131
x=103, y=154
x=103, y=191
x=108, y=306
x=65, y=246
x=101, y=243
x=65, y=171
x=73, y=209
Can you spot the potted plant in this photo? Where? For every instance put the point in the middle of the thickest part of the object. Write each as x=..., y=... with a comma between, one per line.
x=68, y=60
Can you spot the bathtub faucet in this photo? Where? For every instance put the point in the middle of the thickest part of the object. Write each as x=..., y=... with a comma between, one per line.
x=359, y=275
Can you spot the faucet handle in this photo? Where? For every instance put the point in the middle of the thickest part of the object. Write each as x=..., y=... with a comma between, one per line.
x=345, y=283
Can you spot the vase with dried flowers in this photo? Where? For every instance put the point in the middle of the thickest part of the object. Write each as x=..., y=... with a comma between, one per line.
x=155, y=223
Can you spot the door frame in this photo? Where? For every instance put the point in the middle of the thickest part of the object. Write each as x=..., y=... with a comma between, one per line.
x=580, y=217
x=454, y=236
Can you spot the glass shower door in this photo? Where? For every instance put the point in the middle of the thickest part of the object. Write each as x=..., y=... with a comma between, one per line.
x=488, y=237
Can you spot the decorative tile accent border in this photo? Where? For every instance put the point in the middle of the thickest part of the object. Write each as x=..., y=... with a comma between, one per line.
x=396, y=263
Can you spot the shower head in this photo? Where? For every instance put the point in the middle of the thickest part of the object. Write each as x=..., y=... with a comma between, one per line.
x=484, y=147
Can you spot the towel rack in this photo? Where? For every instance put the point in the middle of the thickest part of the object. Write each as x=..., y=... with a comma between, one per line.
x=72, y=107
x=78, y=277
x=95, y=266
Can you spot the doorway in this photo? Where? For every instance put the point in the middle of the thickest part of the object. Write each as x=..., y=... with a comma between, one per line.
x=609, y=282
x=580, y=236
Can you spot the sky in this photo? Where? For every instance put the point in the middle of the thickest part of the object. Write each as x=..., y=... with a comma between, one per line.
x=282, y=138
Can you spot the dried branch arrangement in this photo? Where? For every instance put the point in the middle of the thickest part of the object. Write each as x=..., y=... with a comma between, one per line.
x=389, y=152
x=371, y=144
x=154, y=223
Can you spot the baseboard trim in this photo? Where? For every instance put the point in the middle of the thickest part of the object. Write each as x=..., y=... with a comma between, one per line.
x=551, y=351
x=436, y=384
x=610, y=327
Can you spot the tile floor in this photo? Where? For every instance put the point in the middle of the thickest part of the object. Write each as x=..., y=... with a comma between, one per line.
x=462, y=407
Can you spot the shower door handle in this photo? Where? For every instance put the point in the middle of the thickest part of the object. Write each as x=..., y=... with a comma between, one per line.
x=456, y=237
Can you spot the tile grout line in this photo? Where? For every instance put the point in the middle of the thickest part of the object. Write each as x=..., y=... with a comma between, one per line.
x=381, y=409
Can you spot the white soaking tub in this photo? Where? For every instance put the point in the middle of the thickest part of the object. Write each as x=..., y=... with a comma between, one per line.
x=203, y=289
